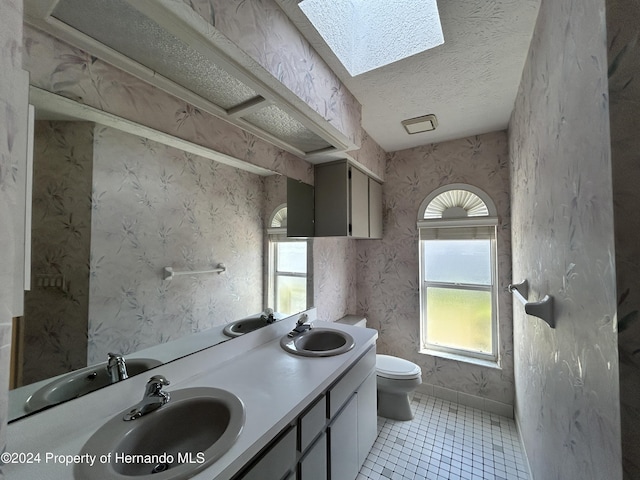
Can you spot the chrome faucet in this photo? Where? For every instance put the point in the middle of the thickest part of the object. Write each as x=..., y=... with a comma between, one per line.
x=301, y=326
x=267, y=315
x=116, y=367
x=152, y=400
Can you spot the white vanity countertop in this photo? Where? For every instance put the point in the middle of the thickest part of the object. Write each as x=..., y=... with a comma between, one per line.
x=274, y=385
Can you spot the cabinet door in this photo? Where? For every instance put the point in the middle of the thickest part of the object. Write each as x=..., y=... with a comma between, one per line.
x=349, y=383
x=359, y=203
x=276, y=462
x=331, y=199
x=343, y=442
x=375, y=209
x=300, y=209
x=314, y=464
x=367, y=417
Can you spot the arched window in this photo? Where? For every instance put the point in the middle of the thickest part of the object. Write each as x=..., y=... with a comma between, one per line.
x=457, y=225
x=288, y=288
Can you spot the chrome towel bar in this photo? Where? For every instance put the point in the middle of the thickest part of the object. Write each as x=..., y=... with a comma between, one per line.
x=169, y=272
x=542, y=309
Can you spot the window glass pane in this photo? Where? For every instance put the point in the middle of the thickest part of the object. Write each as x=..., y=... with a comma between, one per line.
x=457, y=261
x=291, y=294
x=459, y=319
x=291, y=257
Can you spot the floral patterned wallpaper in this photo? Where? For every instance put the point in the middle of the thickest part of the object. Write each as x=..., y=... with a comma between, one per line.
x=263, y=31
x=566, y=378
x=147, y=206
x=371, y=155
x=624, y=97
x=334, y=280
x=55, y=338
x=13, y=116
x=155, y=206
x=387, y=270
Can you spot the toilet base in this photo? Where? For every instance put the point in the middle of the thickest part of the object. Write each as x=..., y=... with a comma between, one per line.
x=394, y=406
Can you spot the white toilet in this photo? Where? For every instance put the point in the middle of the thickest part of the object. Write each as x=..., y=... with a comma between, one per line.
x=396, y=380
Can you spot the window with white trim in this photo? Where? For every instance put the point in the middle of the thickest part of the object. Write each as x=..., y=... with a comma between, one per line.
x=458, y=307
x=288, y=266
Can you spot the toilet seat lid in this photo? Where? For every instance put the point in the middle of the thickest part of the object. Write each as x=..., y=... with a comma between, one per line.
x=388, y=366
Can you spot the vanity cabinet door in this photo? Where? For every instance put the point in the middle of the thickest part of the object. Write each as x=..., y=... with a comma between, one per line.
x=276, y=462
x=313, y=465
x=344, y=388
x=367, y=417
x=343, y=442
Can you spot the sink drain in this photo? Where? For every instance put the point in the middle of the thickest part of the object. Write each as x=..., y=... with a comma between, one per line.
x=161, y=467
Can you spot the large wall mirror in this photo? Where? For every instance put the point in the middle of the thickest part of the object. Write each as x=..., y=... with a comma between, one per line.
x=114, y=203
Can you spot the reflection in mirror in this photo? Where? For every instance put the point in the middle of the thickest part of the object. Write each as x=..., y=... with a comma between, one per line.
x=290, y=283
x=111, y=210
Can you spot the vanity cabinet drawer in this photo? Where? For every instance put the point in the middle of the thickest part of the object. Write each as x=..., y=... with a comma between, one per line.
x=312, y=423
x=344, y=388
x=277, y=461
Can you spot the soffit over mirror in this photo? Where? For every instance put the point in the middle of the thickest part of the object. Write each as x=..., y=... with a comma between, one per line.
x=182, y=54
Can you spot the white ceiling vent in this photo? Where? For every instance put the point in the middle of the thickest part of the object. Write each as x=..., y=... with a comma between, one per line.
x=426, y=123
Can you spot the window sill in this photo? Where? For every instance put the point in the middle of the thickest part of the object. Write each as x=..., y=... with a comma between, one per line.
x=462, y=358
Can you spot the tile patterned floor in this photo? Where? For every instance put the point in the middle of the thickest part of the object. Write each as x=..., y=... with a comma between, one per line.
x=446, y=441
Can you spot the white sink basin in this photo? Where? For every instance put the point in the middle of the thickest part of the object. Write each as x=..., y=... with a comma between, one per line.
x=176, y=441
x=80, y=382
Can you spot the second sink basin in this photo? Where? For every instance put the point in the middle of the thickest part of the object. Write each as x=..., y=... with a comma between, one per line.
x=318, y=342
x=81, y=382
x=181, y=438
x=246, y=325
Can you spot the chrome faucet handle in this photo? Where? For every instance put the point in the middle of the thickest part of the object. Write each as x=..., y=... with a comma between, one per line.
x=267, y=315
x=154, y=386
x=302, y=319
x=301, y=326
x=152, y=399
x=116, y=367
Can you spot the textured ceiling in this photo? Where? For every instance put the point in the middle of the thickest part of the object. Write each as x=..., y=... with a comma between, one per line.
x=469, y=83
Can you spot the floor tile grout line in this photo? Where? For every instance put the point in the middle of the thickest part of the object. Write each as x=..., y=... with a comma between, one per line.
x=445, y=441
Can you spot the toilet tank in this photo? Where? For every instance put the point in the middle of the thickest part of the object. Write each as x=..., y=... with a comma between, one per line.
x=355, y=320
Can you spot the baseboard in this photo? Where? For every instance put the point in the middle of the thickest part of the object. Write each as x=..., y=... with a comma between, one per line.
x=469, y=400
x=522, y=444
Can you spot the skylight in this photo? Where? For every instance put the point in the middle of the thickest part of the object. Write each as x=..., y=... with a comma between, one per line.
x=368, y=34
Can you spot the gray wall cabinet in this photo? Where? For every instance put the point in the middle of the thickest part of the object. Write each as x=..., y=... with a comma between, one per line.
x=347, y=202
